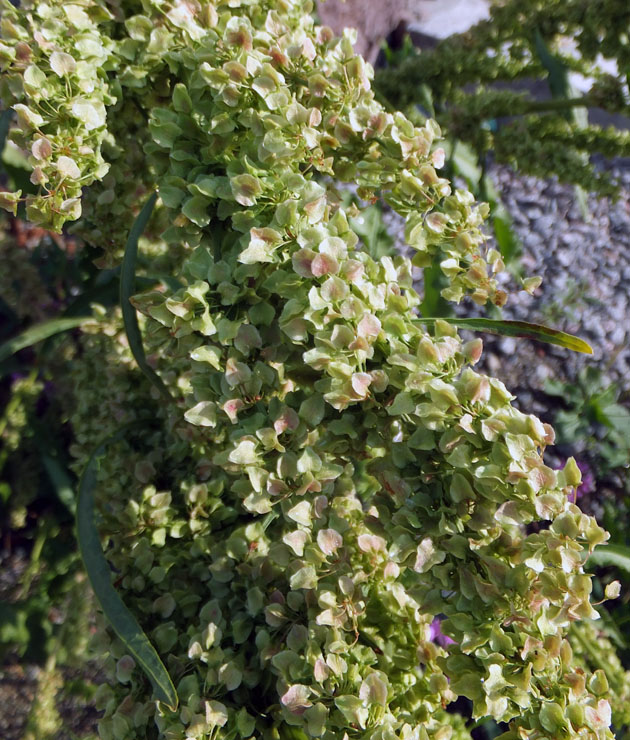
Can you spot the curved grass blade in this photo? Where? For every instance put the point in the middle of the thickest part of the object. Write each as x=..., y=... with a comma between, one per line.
x=38, y=333
x=615, y=555
x=61, y=481
x=127, y=289
x=121, y=619
x=518, y=329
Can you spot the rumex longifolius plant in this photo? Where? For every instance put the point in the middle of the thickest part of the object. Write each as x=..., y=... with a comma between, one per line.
x=330, y=476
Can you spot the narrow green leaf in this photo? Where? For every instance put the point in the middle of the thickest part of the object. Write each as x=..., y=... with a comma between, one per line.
x=61, y=482
x=434, y=280
x=612, y=630
x=581, y=196
x=558, y=72
x=370, y=227
x=37, y=333
x=518, y=329
x=121, y=619
x=465, y=162
x=615, y=555
x=127, y=289
x=507, y=239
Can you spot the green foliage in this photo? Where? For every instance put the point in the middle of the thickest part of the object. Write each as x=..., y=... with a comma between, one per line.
x=523, y=40
x=616, y=555
x=332, y=476
x=369, y=227
x=594, y=414
x=45, y=601
x=44, y=614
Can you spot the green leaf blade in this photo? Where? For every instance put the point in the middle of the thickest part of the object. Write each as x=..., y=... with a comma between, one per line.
x=610, y=555
x=61, y=482
x=558, y=73
x=521, y=329
x=127, y=289
x=38, y=333
x=433, y=303
x=120, y=618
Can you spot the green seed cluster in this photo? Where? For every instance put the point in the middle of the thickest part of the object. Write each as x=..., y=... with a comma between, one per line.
x=504, y=49
x=54, y=59
x=503, y=46
x=330, y=477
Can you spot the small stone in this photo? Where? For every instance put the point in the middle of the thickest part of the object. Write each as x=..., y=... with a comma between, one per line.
x=532, y=241
x=508, y=345
x=565, y=258
x=618, y=336
x=545, y=224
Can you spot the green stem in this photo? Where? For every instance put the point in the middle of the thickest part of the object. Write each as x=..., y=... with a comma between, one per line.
x=559, y=104
x=33, y=566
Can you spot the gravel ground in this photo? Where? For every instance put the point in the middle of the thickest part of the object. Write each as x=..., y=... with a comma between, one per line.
x=585, y=266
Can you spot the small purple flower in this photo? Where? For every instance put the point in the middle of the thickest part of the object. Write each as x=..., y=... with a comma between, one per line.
x=436, y=634
x=588, y=484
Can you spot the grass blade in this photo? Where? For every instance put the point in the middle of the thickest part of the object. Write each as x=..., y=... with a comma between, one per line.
x=61, y=482
x=507, y=239
x=121, y=619
x=558, y=73
x=561, y=88
x=615, y=555
x=518, y=329
x=127, y=289
x=38, y=333
x=434, y=280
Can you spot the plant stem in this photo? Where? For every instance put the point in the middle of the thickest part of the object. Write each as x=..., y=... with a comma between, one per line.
x=559, y=104
x=33, y=566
